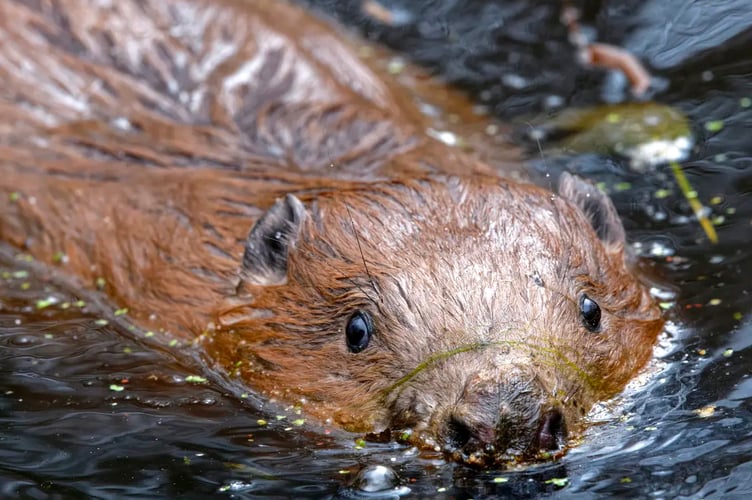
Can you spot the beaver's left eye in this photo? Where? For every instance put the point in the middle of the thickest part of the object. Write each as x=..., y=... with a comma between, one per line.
x=358, y=331
x=590, y=313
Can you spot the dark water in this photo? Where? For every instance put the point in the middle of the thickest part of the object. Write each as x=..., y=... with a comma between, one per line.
x=88, y=410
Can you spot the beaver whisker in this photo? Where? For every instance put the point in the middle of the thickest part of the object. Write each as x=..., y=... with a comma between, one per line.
x=360, y=249
x=363, y=291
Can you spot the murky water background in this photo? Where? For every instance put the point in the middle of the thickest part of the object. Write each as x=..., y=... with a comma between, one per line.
x=86, y=410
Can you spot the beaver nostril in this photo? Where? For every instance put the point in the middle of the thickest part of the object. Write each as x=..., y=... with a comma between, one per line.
x=552, y=431
x=458, y=433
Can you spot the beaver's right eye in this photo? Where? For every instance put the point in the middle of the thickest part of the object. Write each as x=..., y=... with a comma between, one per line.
x=590, y=313
x=358, y=331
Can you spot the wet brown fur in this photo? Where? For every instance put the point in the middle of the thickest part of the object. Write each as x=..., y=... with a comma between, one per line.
x=150, y=174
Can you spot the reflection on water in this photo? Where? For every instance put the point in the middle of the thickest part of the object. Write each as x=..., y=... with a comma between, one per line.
x=86, y=409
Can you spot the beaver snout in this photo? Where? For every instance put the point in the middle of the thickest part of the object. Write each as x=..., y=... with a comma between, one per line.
x=499, y=421
x=463, y=436
x=489, y=443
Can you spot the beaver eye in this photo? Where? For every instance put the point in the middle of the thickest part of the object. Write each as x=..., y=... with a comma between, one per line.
x=358, y=331
x=591, y=313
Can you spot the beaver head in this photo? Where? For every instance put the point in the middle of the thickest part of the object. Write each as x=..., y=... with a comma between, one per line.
x=483, y=317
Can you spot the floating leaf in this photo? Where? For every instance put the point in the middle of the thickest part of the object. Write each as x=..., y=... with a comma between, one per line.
x=714, y=126
x=558, y=481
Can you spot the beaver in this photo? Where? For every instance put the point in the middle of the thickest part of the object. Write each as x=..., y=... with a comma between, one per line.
x=234, y=175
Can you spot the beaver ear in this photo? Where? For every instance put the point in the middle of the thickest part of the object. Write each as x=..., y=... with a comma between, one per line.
x=268, y=244
x=597, y=207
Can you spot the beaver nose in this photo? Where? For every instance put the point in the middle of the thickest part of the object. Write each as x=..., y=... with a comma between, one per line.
x=486, y=439
x=551, y=432
x=507, y=434
x=460, y=433
x=503, y=414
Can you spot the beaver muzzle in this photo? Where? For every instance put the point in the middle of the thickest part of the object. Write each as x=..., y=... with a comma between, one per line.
x=501, y=421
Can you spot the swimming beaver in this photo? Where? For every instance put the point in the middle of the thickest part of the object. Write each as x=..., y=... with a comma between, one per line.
x=388, y=281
